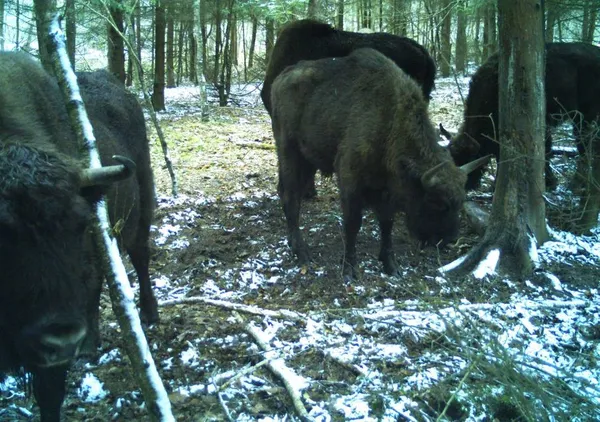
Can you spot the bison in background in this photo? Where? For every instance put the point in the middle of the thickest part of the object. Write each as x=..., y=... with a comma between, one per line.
x=50, y=282
x=311, y=40
x=572, y=94
x=363, y=118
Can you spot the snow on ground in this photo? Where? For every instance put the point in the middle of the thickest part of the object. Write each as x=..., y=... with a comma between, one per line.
x=548, y=332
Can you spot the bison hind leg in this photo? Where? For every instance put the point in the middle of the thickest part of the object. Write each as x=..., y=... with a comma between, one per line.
x=385, y=216
x=294, y=173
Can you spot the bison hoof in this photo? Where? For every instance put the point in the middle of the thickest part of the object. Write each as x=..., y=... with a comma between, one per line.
x=389, y=266
x=309, y=192
x=349, y=272
x=149, y=315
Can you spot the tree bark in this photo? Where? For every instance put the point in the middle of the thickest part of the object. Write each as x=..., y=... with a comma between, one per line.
x=460, y=59
x=170, y=12
x=445, y=47
x=269, y=36
x=517, y=221
x=116, y=48
x=70, y=30
x=254, y=21
x=340, y=15
x=1, y=25
x=44, y=9
x=158, y=92
x=551, y=14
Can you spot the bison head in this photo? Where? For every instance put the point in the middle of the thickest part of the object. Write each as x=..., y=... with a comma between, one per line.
x=464, y=148
x=48, y=278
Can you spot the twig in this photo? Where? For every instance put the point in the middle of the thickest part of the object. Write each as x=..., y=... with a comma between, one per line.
x=277, y=366
x=224, y=407
x=357, y=370
x=253, y=144
x=245, y=371
x=254, y=310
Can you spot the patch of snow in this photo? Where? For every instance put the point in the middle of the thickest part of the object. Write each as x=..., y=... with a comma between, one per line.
x=91, y=389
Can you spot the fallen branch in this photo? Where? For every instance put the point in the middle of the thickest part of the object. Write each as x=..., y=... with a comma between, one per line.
x=355, y=369
x=277, y=366
x=253, y=144
x=254, y=310
x=121, y=294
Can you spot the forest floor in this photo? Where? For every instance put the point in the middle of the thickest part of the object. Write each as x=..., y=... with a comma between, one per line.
x=417, y=347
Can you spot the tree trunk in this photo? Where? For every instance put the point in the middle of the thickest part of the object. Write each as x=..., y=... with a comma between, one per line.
x=44, y=9
x=590, y=17
x=254, y=20
x=203, y=38
x=477, y=40
x=1, y=25
x=233, y=34
x=460, y=59
x=70, y=30
x=340, y=15
x=193, y=56
x=218, y=40
x=269, y=36
x=551, y=13
x=446, y=49
x=170, y=12
x=312, y=9
x=158, y=92
x=116, y=48
x=517, y=221
x=180, y=41
x=17, y=24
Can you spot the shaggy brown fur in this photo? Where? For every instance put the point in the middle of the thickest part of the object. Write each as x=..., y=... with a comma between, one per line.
x=363, y=118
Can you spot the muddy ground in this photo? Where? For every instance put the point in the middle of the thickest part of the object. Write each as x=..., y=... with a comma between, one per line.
x=357, y=349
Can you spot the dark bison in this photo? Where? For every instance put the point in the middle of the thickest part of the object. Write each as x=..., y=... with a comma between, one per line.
x=572, y=93
x=311, y=40
x=49, y=279
x=363, y=118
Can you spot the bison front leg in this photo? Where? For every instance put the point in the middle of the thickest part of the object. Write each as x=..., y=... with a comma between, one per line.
x=49, y=391
x=352, y=206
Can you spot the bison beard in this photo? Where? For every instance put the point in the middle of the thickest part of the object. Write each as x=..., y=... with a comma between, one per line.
x=312, y=40
x=363, y=118
x=50, y=284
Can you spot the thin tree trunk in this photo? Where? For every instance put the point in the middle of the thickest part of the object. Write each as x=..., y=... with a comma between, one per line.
x=180, y=40
x=116, y=49
x=170, y=46
x=269, y=36
x=445, y=32
x=312, y=9
x=550, y=22
x=2, y=25
x=340, y=15
x=254, y=20
x=70, y=30
x=44, y=9
x=158, y=92
x=17, y=24
x=460, y=60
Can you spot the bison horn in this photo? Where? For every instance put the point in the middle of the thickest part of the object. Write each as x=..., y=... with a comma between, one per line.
x=428, y=178
x=475, y=164
x=108, y=174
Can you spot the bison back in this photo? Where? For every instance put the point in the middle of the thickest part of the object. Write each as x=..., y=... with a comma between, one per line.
x=312, y=40
x=119, y=128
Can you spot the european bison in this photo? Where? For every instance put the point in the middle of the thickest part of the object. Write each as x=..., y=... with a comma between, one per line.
x=49, y=280
x=572, y=94
x=363, y=118
x=310, y=40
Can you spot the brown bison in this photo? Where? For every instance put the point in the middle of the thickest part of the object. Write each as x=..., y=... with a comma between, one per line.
x=572, y=94
x=49, y=278
x=310, y=40
x=363, y=118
